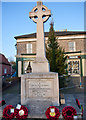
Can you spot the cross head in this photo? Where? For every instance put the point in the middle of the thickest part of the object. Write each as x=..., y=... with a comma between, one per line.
x=40, y=13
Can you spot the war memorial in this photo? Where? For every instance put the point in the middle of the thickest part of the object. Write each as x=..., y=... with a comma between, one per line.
x=40, y=89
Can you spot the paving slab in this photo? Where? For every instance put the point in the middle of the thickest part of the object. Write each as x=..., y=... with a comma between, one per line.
x=12, y=96
x=70, y=100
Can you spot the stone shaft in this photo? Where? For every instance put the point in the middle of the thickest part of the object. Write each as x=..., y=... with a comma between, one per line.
x=40, y=39
x=39, y=16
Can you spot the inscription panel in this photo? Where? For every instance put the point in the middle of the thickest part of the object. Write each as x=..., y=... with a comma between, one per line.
x=39, y=88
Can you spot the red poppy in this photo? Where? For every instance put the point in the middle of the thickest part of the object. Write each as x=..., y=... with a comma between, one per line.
x=21, y=113
x=52, y=113
x=78, y=103
x=7, y=112
x=68, y=113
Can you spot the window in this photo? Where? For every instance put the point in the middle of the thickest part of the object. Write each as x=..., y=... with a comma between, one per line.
x=29, y=48
x=27, y=66
x=74, y=67
x=71, y=46
x=5, y=70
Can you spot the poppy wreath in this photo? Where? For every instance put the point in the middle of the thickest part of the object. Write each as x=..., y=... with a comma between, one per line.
x=52, y=113
x=21, y=113
x=68, y=112
x=7, y=114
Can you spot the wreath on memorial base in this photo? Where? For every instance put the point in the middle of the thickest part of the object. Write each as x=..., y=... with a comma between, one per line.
x=52, y=113
x=8, y=112
x=21, y=113
x=68, y=112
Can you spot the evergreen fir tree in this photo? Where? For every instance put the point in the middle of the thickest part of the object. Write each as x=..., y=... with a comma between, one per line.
x=55, y=54
x=52, y=49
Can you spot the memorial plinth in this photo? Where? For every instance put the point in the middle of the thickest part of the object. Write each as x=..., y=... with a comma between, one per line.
x=39, y=91
x=41, y=86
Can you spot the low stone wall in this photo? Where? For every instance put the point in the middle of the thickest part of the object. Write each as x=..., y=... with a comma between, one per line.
x=84, y=84
x=76, y=81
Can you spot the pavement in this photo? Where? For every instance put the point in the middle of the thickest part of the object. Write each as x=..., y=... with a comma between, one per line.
x=12, y=96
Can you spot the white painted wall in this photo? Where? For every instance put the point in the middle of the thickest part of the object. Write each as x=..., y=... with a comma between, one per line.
x=19, y=68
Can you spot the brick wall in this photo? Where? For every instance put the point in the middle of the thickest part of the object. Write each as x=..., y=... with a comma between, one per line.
x=21, y=47
x=0, y=69
x=79, y=44
x=76, y=80
x=4, y=64
x=85, y=45
x=8, y=69
x=34, y=47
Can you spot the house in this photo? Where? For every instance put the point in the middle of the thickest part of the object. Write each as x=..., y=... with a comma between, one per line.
x=5, y=66
x=73, y=42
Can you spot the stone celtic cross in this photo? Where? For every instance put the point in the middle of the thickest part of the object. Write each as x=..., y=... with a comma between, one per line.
x=39, y=15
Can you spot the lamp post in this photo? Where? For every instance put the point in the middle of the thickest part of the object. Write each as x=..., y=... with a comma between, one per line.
x=80, y=72
x=80, y=81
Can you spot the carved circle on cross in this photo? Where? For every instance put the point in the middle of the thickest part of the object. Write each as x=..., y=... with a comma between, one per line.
x=35, y=10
